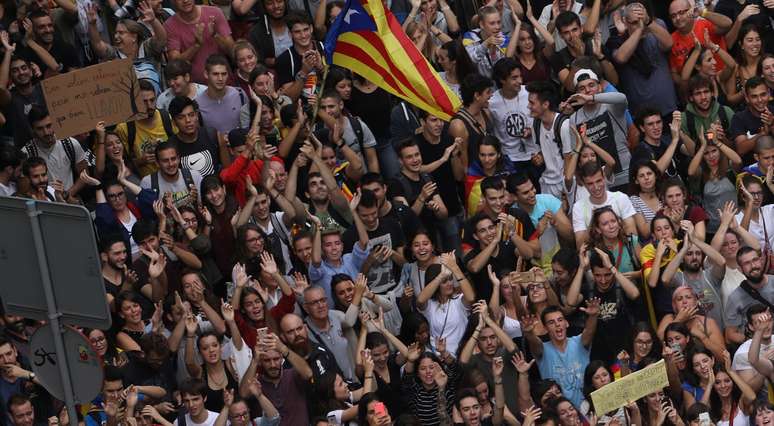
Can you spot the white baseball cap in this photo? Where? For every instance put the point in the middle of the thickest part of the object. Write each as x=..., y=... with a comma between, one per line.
x=584, y=74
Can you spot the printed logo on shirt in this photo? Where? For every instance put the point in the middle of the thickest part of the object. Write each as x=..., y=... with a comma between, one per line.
x=200, y=162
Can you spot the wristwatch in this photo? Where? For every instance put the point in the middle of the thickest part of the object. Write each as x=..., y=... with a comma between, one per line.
x=32, y=376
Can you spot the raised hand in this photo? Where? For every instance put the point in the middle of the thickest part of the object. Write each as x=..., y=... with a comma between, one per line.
x=440, y=376
x=240, y=275
x=191, y=325
x=268, y=264
x=157, y=319
x=528, y=323
x=492, y=276
x=497, y=367
x=592, y=307
x=531, y=415
x=414, y=351
x=227, y=311
x=520, y=363
x=228, y=397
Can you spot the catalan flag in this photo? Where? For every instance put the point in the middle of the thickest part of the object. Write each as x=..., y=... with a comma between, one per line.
x=369, y=40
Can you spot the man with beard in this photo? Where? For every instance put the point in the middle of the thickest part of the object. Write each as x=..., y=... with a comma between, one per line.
x=117, y=277
x=702, y=268
x=402, y=214
x=616, y=294
x=286, y=388
x=563, y=358
x=36, y=170
x=201, y=148
x=24, y=94
x=170, y=178
x=45, y=40
x=295, y=334
x=756, y=288
x=704, y=111
x=753, y=122
x=492, y=342
x=141, y=137
x=10, y=169
x=65, y=158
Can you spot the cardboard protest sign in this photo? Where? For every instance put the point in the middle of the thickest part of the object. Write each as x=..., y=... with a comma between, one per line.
x=615, y=395
x=107, y=92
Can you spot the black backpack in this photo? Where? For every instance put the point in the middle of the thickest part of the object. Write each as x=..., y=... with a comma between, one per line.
x=67, y=144
x=187, y=178
x=131, y=129
x=537, y=127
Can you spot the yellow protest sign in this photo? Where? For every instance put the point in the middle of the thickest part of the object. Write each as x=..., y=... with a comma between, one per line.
x=630, y=388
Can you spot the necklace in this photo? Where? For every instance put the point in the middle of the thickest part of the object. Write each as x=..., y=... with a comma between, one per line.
x=217, y=384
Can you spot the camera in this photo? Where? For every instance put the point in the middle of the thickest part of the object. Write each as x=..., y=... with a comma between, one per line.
x=127, y=11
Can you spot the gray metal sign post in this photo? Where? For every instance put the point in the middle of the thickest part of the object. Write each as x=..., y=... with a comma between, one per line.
x=50, y=248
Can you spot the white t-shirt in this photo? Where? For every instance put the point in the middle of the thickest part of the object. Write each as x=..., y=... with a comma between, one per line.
x=731, y=280
x=448, y=321
x=741, y=360
x=7, y=190
x=178, y=189
x=583, y=209
x=552, y=156
x=166, y=96
x=765, y=220
x=511, y=120
x=211, y=416
x=57, y=161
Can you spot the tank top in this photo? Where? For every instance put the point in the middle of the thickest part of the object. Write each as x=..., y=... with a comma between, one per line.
x=740, y=419
x=511, y=326
x=215, y=397
x=475, y=132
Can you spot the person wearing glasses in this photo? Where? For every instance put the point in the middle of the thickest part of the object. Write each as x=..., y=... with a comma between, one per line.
x=329, y=329
x=688, y=26
x=757, y=218
x=116, y=214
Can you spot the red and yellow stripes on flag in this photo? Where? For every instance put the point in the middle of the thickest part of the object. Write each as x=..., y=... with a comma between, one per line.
x=389, y=59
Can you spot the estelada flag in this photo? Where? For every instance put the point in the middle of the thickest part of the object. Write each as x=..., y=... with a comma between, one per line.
x=367, y=39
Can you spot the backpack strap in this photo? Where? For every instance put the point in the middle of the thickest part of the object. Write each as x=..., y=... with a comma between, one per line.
x=560, y=119
x=690, y=122
x=357, y=127
x=131, y=133
x=69, y=149
x=166, y=121
x=32, y=149
x=279, y=229
x=745, y=285
x=187, y=177
x=536, y=128
x=155, y=182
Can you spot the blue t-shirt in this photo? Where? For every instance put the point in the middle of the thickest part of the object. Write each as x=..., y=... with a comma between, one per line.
x=544, y=202
x=566, y=368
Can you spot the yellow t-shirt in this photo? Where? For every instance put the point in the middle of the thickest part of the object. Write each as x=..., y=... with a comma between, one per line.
x=145, y=140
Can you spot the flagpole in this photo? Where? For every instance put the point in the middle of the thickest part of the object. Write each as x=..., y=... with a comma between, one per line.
x=313, y=121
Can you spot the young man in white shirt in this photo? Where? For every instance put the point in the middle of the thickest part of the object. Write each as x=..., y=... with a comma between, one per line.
x=509, y=107
x=194, y=394
x=593, y=179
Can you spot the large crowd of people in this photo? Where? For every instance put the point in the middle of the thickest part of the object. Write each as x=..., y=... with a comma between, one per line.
x=284, y=242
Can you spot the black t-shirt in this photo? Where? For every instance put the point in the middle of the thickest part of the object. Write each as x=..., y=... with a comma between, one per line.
x=742, y=123
x=405, y=217
x=63, y=52
x=443, y=176
x=201, y=155
x=524, y=227
x=381, y=277
x=646, y=152
x=374, y=109
x=403, y=186
x=16, y=112
x=562, y=59
x=504, y=260
x=613, y=324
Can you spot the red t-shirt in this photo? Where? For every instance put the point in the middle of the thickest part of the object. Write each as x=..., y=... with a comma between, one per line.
x=682, y=44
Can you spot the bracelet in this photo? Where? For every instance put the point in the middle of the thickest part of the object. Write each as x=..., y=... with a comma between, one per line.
x=498, y=382
x=459, y=279
x=369, y=377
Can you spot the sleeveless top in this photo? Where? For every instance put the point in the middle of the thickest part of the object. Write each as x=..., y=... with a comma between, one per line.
x=215, y=397
x=475, y=132
x=511, y=326
x=740, y=419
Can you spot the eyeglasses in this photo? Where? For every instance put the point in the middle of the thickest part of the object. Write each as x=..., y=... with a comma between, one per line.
x=757, y=194
x=97, y=340
x=679, y=13
x=534, y=287
x=643, y=342
x=254, y=240
x=115, y=196
x=317, y=302
x=244, y=415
